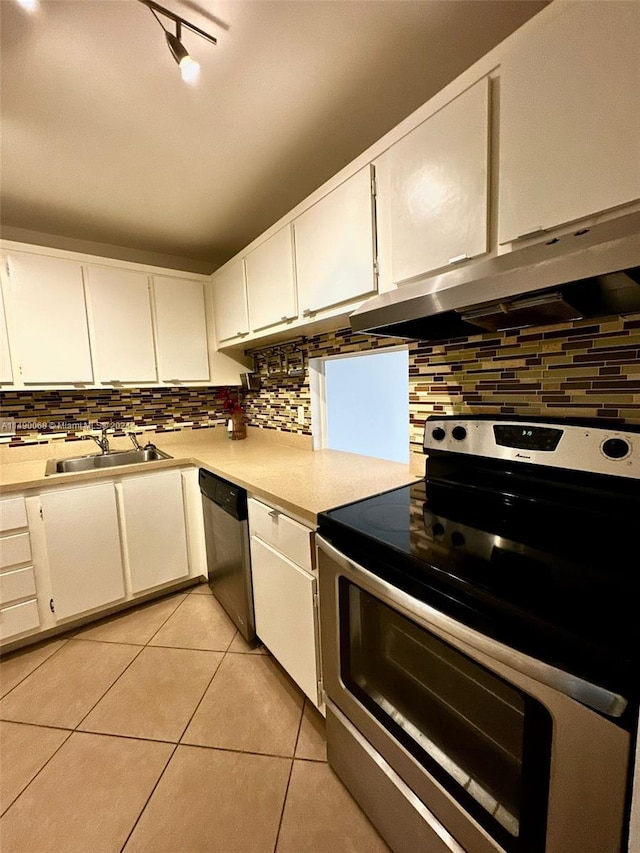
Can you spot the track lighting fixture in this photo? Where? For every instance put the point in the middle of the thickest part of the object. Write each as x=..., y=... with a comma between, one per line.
x=189, y=68
x=29, y=5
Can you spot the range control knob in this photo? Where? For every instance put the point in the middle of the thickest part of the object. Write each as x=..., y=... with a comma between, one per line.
x=438, y=529
x=459, y=433
x=616, y=448
x=438, y=433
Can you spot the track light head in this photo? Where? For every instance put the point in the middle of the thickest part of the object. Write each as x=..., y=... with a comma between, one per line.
x=189, y=68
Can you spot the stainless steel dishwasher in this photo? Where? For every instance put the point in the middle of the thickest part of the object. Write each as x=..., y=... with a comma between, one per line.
x=226, y=532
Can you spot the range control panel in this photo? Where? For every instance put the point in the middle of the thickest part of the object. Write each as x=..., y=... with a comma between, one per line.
x=574, y=447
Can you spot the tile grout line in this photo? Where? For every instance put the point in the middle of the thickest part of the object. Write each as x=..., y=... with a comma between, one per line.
x=39, y=771
x=151, y=793
x=286, y=793
x=52, y=655
x=166, y=742
x=65, y=639
x=135, y=657
x=284, y=805
x=217, y=670
x=204, y=692
x=174, y=611
x=76, y=730
x=175, y=749
x=115, y=681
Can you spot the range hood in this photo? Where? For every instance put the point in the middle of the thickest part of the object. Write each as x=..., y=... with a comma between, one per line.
x=590, y=273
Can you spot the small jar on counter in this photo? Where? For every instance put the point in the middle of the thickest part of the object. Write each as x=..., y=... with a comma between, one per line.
x=236, y=427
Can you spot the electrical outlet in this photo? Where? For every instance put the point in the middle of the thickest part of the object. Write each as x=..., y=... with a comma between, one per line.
x=301, y=415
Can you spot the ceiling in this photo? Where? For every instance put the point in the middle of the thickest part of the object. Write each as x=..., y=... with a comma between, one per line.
x=102, y=141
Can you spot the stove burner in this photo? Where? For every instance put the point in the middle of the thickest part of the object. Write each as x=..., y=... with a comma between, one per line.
x=386, y=516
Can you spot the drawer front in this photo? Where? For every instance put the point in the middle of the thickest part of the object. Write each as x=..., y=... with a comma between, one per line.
x=18, y=619
x=14, y=550
x=286, y=535
x=17, y=584
x=286, y=619
x=13, y=514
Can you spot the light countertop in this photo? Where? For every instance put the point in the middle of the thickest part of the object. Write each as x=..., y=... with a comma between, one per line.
x=277, y=467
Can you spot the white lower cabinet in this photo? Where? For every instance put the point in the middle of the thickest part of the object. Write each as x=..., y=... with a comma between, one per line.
x=83, y=548
x=71, y=552
x=285, y=596
x=155, y=540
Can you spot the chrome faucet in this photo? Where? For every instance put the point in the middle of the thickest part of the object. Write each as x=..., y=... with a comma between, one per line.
x=103, y=441
x=134, y=440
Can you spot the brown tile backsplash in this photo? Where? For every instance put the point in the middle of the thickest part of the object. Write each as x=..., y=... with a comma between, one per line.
x=41, y=415
x=584, y=369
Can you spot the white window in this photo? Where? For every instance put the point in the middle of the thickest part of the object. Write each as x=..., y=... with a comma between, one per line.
x=360, y=403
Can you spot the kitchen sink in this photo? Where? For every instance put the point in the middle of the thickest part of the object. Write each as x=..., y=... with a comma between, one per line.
x=104, y=460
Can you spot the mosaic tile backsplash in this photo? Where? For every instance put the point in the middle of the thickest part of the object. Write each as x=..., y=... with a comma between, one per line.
x=581, y=369
x=43, y=415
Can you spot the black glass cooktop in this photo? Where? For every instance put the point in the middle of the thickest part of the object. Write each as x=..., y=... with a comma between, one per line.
x=548, y=570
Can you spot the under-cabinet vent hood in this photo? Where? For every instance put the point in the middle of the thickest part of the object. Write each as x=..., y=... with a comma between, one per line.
x=590, y=273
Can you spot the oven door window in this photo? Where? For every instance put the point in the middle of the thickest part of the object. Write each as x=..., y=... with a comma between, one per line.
x=483, y=739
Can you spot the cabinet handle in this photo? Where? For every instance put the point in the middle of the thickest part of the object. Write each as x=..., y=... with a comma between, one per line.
x=241, y=334
x=275, y=513
x=527, y=234
x=306, y=312
x=457, y=258
x=285, y=317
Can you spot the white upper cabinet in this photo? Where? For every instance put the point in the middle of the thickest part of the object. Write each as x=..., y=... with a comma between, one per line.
x=122, y=328
x=6, y=373
x=230, y=315
x=49, y=318
x=335, y=246
x=181, y=327
x=271, y=286
x=570, y=119
x=432, y=184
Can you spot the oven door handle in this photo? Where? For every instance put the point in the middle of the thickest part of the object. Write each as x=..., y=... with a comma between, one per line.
x=592, y=695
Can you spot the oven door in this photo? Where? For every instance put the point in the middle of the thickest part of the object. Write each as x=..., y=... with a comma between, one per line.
x=493, y=743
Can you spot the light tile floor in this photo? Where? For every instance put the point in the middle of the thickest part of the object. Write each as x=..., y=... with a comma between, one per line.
x=159, y=731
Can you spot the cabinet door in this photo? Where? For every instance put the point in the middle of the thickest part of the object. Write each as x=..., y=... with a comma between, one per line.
x=121, y=316
x=271, y=288
x=334, y=246
x=6, y=372
x=433, y=189
x=286, y=621
x=50, y=319
x=181, y=325
x=154, y=526
x=83, y=548
x=570, y=119
x=230, y=315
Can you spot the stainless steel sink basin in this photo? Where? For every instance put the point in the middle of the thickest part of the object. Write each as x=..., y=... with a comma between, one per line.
x=104, y=460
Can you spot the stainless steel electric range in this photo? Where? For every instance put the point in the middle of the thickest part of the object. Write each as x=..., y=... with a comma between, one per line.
x=480, y=637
